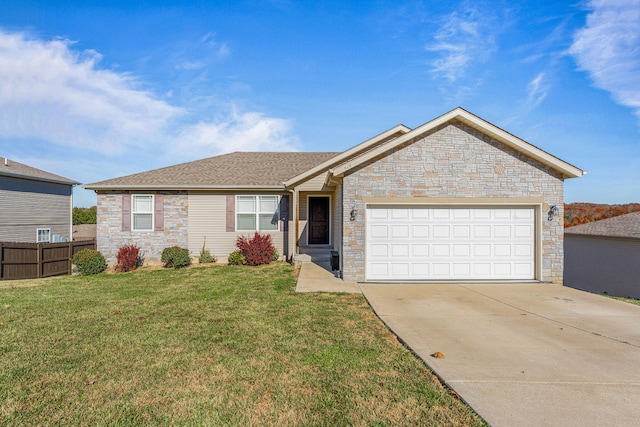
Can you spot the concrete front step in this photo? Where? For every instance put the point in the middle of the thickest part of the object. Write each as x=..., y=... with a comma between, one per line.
x=314, y=254
x=317, y=258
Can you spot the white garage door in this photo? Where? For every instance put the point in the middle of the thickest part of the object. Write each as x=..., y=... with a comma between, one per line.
x=427, y=243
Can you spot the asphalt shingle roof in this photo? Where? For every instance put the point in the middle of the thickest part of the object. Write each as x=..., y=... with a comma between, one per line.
x=241, y=169
x=619, y=226
x=13, y=168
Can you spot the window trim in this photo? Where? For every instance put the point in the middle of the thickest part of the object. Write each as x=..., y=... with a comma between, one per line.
x=133, y=212
x=48, y=230
x=257, y=213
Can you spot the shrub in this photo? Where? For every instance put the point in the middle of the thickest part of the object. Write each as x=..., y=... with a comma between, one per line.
x=205, y=255
x=257, y=250
x=175, y=257
x=236, y=258
x=276, y=254
x=89, y=261
x=128, y=258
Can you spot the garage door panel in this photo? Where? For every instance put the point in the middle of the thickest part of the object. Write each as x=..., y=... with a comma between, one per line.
x=420, y=250
x=441, y=231
x=378, y=251
x=418, y=243
x=400, y=250
x=378, y=232
x=418, y=231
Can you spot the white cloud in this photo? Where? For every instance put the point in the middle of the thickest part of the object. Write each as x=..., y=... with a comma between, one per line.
x=608, y=48
x=238, y=131
x=61, y=112
x=51, y=93
x=464, y=38
x=537, y=90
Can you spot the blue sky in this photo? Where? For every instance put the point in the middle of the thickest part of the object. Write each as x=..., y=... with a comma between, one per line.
x=103, y=89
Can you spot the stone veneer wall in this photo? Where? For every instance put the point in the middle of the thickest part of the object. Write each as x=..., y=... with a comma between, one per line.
x=111, y=237
x=453, y=161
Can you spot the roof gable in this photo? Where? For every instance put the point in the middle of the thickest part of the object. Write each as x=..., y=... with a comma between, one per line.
x=369, y=144
x=15, y=169
x=566, y=169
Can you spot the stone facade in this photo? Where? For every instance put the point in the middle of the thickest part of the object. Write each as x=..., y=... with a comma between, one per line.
x=453, y=161
x=111, y=237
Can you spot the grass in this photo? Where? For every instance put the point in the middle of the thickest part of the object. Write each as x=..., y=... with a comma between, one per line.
x=629, y=300
x=219, y=345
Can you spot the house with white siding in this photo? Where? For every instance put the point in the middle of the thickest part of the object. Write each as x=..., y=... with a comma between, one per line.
x=604, y=256
x=456, y=199
x=36, y=206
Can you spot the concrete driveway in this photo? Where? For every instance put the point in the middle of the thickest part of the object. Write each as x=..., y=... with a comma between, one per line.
x=520, y=355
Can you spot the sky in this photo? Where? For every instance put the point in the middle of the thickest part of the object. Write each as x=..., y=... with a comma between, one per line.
x=101, y=89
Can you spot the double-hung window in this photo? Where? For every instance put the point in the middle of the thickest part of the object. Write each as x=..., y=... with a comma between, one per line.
x=43, y=235
x=142, y=211
x=257, y=213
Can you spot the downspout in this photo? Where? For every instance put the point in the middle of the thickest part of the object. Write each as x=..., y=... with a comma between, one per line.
x=71, y=216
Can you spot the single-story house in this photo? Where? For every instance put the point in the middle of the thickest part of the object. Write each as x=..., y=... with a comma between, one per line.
x=36, y=205
x=604, y=256
x=456, y=199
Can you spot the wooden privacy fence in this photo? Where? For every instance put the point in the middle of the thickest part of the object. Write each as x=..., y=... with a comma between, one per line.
x=34, y=260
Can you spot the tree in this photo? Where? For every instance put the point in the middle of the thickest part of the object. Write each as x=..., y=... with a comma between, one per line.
x=84, y=215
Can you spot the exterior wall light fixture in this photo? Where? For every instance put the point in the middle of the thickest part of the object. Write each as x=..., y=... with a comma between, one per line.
x=553, y=212
x=353, y=214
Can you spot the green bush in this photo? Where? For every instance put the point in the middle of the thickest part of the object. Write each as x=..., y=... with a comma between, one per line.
x=89, y=261
x=175, y=257
x=205, y=255
x=276, y=254
x=236, y=258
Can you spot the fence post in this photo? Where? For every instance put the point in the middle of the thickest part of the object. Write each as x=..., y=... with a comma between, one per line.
x=70, y=256
x=1, y=261
x=39, y=260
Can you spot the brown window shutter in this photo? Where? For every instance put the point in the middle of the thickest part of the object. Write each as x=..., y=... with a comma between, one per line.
x=231, y=213
x=284, y=212
x=126, y=212
x=158, y=210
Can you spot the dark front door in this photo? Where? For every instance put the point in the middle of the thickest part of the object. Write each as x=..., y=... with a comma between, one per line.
x=318, y=223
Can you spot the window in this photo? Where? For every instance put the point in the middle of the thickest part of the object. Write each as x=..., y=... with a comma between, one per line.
x=257, y=213
x=43, y=235
x=142, y=212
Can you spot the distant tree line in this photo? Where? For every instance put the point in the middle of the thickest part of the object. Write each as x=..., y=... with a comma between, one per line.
x=84, y=215
x=582, y=213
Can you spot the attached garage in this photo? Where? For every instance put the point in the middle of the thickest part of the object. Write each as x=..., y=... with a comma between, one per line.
x=426, y=243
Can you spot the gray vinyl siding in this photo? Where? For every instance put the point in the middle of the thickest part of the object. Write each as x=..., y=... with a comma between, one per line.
x=207, y=219
x=303, y=203
x=602, y=265
x=27, y=205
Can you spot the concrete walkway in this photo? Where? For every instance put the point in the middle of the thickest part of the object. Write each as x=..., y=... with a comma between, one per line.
x=318, y=278
x=523, y=355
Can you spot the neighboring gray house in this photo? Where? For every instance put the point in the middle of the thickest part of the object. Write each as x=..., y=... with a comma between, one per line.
x=36, y=205
x=604, y=256
x=456, y=199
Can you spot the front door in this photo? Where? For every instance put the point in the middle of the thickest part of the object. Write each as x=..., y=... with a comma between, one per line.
x=318, y=224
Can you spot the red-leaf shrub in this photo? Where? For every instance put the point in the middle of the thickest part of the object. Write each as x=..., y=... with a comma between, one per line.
x=128, y=258
x=258, y=250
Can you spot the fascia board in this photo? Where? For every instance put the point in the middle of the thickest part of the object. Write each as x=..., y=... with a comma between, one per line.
x=37, y=178
x=182, y=187
x=345, y=155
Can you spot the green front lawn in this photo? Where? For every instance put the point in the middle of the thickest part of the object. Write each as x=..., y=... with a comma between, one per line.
x=216, y=345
